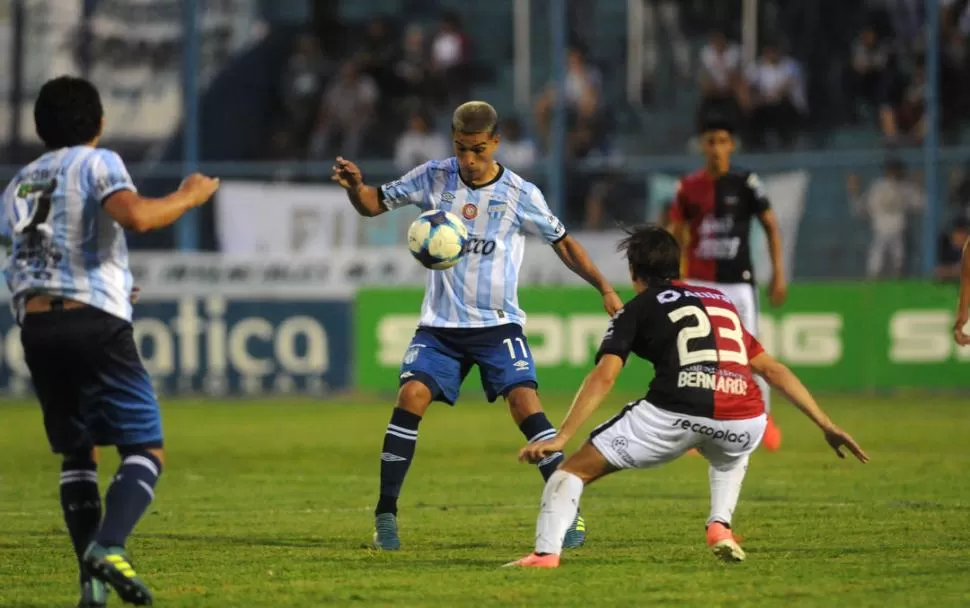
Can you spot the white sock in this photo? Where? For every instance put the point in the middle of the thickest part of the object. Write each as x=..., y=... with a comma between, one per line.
x=560, y=501
x=725, y=489
x=765, y=392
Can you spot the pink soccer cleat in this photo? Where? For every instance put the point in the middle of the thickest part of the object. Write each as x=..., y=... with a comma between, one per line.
x=723, y=543
x=549, y=560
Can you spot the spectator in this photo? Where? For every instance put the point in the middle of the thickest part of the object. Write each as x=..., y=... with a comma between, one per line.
x=960, y=191
x=721, y=80
x=887, y=203
x=949, y=251
x=411, y=69
x=778, y=97
x=348, y=109
x=449, y=60
x=378, y=52
x=419, y=144
x=583, y=90
x=668, y=12
x=870, y=67
x=516, y=152
x=903, y=116
x=307, y=70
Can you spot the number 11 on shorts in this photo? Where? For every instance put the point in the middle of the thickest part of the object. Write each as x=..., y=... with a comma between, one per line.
x=508, y=342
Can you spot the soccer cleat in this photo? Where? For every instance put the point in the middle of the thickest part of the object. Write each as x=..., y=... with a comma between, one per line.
x=723, y=544
x=576, y=534
x=385, y=533
x=772, y=439
x=112, y=566
x=94, y=594
x=534, y=560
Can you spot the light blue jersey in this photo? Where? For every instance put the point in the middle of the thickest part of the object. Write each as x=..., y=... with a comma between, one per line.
x=61, y=241
x=482, y=289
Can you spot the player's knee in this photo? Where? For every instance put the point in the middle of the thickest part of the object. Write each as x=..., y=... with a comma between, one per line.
x=414, y=397
x=155, y=452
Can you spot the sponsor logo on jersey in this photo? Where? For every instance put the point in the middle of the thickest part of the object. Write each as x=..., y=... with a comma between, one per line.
x=469, y=211
x=447, y=196
x=480, y=246
x=521, y=365
x=716, y=434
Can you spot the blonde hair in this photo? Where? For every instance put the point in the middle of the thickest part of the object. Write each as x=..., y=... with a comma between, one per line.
x=474, y=117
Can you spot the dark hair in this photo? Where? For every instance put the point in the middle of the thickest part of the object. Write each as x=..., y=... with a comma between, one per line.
x=716, y=123
x=67, y=112
x=653, y=253
x=474, y=117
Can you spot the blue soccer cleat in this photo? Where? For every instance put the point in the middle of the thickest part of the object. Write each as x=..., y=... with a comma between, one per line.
x=385, y=532
x=112, y=566
x=94, y=594
x=576, y=534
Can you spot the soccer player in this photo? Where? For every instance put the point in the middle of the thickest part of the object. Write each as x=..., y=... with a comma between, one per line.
x=711, y=217
x=703, y=396
x=470, y=315
x=63, y=217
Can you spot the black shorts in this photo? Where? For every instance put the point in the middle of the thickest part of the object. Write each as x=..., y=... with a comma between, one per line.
x=90, y=381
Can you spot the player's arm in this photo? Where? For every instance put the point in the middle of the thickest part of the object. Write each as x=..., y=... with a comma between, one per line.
x=785, y=381
x=574, y=256
x=536, y=218
x=109, y=181
x=675, y=222
x=614, y=350
x=370, y=201
x=778, y=290
x=963, y=303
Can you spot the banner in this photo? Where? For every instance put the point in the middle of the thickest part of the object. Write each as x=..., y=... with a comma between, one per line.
x=836, y=336
x=135, y=49
x=220, y=346
x=284, y=219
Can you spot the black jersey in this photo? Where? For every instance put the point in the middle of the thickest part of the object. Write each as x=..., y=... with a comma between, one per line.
x=718, y=214
x=698, y=347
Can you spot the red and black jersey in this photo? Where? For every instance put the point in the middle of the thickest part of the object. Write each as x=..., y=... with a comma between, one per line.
x=699, y=350
x=718, y=214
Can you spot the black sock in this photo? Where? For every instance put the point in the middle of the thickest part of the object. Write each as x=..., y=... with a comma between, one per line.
x=400, y=440
x=537, y=428
x=131, y=491
x=81, y=503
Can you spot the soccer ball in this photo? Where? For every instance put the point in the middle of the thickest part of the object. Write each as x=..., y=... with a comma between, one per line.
x=437, y=239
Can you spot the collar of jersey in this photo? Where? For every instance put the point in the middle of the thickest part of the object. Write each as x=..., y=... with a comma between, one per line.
x=498, y=176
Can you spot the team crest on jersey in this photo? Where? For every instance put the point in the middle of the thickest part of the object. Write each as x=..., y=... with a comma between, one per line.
x=496, y=209
x=469, y=211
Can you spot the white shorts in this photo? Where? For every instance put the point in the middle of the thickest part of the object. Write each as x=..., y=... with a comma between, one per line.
x=644, y=435
x=743, y=296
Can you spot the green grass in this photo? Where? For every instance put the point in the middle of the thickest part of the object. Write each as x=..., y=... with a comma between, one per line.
x=269, y=504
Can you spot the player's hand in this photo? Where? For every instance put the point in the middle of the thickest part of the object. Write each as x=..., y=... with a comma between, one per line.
x=346, y=174
x=778, y=290
x=838, y=439
x=612, y=303
x=534, y=452
x=199, y=188
x=135, y=294
x=958, y=334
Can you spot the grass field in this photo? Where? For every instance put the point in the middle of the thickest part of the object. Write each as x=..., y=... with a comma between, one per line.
x=269, y=504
